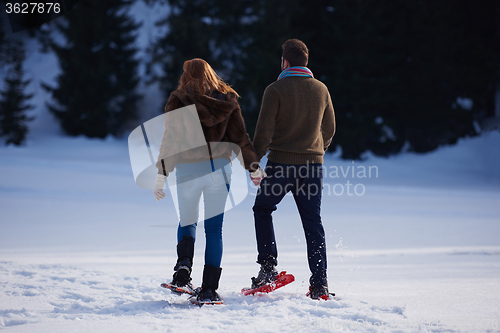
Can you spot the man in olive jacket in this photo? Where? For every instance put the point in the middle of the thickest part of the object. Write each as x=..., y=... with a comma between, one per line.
x=296, y=124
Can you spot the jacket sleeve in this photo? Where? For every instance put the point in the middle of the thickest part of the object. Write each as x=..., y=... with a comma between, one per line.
x=165, y=163
x=266, y=122
x=328, y=125
x=237, y=133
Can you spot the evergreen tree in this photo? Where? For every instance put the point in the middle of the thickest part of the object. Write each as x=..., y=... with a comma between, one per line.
x=96, y=90
x=13, y=100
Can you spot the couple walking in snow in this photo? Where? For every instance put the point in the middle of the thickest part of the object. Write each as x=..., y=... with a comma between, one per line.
x=296, y=125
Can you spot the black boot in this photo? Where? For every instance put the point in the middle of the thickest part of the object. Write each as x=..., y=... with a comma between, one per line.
x=208, y=294
x=320, y=292
x=267, y=274
x=185, y=254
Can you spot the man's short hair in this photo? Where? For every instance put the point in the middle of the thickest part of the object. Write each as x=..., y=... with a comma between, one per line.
x=296, y=52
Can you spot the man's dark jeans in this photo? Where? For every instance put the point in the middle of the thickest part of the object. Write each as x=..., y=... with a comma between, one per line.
x=306, y=183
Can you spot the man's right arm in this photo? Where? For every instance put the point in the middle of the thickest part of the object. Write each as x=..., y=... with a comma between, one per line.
x=265, y=124
x=328, y=123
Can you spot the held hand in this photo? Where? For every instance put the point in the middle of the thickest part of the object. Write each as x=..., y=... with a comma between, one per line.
x=257, y=176
x=158, y=189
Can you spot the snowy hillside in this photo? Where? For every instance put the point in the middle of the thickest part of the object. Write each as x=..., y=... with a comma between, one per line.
x=83, y=248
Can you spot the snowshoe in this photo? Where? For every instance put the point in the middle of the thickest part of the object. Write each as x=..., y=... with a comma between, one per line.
x=267, y=274
x=320, y=292
x=207, y=296
x=280, y=280
x=179, y=290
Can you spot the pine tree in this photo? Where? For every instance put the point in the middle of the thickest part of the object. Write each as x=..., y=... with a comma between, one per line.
x=96, y=91
x=13, y=100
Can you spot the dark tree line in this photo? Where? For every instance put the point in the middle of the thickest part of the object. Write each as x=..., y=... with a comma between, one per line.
x=402, y=73
x=398, y=71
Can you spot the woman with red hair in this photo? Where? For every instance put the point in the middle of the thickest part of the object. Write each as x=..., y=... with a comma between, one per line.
x=203, y=171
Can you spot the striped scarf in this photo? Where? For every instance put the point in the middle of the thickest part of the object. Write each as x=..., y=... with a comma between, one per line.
x=296, y=71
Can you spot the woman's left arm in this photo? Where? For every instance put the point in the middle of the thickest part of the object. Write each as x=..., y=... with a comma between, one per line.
x=237, y=133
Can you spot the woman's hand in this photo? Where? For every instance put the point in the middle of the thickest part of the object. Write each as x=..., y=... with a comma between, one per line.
x=158, y=189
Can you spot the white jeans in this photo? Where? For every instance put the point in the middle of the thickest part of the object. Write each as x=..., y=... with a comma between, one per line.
x=214, y=187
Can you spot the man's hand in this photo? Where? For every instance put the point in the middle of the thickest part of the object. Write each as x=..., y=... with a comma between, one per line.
x=257, y=176
x=158, y=189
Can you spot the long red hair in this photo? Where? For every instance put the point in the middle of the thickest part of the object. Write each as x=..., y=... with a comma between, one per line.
x=201, y=78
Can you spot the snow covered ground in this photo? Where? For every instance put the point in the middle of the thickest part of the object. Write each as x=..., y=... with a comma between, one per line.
x=413, y=246
x=413, y=240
